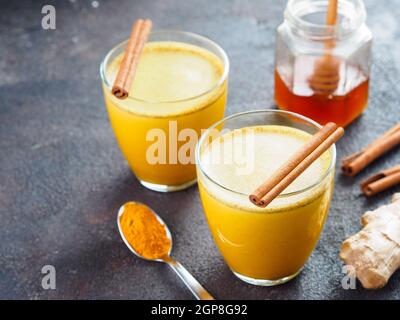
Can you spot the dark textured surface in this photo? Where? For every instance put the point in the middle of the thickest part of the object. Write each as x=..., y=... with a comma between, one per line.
x=62, y=177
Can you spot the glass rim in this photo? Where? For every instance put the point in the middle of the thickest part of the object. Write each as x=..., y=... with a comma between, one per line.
x=223, y=56
x=325, y=31
x=287, y=113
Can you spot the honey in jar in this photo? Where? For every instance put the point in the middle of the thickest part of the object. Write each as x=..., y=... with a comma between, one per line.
x=301, y=45
x=342, y=106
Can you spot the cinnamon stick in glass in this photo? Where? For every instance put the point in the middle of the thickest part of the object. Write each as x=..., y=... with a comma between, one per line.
x=354, y=163
x=296, y=165
x=127, y=69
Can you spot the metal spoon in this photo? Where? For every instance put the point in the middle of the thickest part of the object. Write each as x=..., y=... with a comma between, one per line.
x=195, y=287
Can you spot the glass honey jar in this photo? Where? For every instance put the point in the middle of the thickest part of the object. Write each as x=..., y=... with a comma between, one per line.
x=322, y=70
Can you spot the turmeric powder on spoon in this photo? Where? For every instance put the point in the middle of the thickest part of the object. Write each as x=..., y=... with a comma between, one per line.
x=144, y=232
x=148, y=237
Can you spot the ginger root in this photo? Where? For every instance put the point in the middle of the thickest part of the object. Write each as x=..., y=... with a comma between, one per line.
x=374, y=252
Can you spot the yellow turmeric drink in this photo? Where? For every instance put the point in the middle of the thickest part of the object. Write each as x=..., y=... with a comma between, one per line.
x=263, y=246
x=180, y=88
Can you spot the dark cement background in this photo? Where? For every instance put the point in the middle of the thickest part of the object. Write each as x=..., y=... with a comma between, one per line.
x=62, y=177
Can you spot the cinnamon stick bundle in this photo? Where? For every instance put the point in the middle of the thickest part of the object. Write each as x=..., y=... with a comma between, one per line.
x=127, y=69
x=354, y=163
x=296, y=164
x=381, y=181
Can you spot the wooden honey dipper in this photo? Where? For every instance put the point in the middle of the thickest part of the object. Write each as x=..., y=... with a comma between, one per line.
x=325, y=78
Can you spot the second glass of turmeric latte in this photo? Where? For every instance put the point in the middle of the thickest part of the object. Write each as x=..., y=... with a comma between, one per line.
x=179, y=89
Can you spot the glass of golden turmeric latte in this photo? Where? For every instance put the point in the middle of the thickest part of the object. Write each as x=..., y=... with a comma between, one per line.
x=262, y=246
x=179, y=89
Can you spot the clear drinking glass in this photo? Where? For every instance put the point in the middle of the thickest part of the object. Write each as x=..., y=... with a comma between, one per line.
x=174, y=124
x=263, y=246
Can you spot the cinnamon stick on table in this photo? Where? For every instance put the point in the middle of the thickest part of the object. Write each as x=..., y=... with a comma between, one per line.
x=296, y=164
x=381, y=181
x=127, y=69
x=354, y=163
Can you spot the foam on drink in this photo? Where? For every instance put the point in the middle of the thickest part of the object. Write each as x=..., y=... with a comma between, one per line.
x=170, y=72
x=256, y=153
